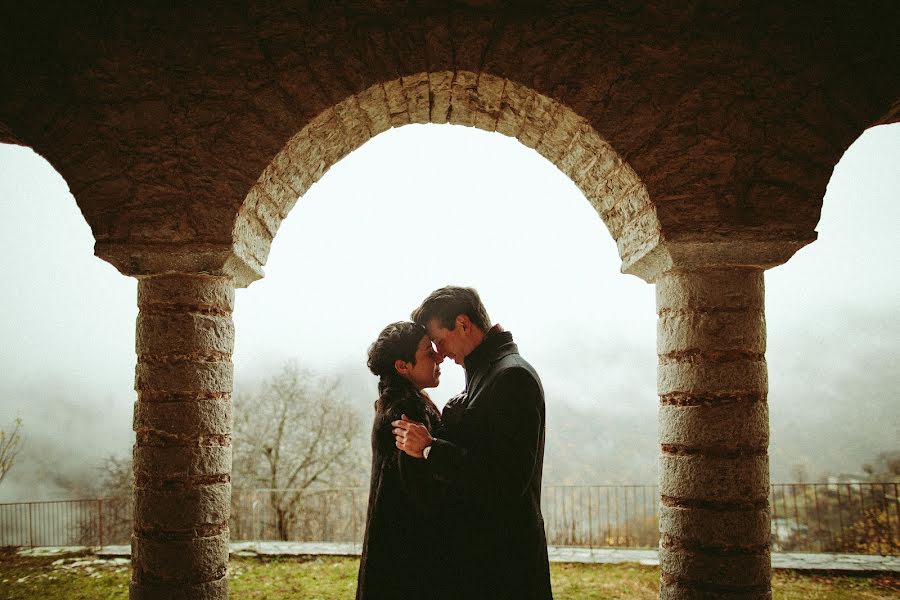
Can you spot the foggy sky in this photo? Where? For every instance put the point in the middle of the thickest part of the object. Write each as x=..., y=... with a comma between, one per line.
x=423, y=206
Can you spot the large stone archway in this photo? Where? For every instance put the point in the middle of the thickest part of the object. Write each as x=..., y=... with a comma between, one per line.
x=704, y=137
x=462, y=98
x=711, y=341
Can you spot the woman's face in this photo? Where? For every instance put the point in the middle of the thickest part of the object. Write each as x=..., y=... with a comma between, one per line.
x=426, y=373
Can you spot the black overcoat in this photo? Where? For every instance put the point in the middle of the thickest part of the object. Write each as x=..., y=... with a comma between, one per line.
x=399, y=559
x=490, y=451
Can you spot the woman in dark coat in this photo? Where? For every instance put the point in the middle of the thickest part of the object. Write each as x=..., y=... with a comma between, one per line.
x=403, y=497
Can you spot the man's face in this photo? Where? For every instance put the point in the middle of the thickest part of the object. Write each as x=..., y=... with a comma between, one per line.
x=454, y=343
x=425, y=373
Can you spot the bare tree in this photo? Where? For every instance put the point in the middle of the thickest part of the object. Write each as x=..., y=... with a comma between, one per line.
x=117, y=476
x=10, y=446
x=293, y=435
x=116, y=486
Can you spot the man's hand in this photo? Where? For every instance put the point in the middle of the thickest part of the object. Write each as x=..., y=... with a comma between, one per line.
x=411, y=437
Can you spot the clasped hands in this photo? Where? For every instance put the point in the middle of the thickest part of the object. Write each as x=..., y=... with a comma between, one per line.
x=411, y=437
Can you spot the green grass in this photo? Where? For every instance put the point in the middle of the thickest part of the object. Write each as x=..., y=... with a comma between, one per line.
x=627, y=582
x=30, y=578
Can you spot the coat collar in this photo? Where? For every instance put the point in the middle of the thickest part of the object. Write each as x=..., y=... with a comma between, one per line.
x=496, y=344
x=395, y=389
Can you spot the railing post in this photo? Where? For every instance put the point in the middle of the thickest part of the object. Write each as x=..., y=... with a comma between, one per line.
x=896, y=503
x=100, y=522
x=590, y=520
x=353, y=512
x=887, y=517
x=31, y=524
x=255, y=507
x=841, y=518
x=324, y=517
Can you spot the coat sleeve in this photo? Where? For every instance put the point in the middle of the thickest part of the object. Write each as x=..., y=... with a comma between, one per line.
x=416, y=480
x=504, y=456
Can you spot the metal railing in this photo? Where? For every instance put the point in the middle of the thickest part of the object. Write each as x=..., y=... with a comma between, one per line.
x=607, y=516
x=838, y=517
x=854, y=518
x=326, y=515
x=91, y=522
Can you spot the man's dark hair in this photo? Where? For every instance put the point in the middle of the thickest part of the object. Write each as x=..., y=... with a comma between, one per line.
x=448, y=303
x=397, y=340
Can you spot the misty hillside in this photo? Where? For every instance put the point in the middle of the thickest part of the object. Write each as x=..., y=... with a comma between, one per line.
x=67, y=440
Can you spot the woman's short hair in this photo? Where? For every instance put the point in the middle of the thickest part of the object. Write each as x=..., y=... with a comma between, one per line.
x=396, y=341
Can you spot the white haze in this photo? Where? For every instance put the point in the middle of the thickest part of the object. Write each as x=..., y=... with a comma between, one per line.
x=423, y=206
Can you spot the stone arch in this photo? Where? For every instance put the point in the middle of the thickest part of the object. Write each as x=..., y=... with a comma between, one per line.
x=464, y=98
x=6, y=135
x=732, y=120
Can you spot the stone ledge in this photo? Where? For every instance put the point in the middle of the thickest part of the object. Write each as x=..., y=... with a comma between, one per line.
x=733, y=250
x=142, y=259
x=801, y=561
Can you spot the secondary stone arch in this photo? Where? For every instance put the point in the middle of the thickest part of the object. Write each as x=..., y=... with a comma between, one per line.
x=480, y=100
x=6, y=135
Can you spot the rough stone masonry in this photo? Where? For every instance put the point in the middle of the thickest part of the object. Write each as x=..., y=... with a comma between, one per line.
x=704, y=134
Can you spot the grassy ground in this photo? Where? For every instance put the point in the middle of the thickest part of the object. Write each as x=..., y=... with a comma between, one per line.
x=85, y=578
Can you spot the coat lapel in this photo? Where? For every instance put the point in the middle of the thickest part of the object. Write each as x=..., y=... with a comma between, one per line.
x=474, y=384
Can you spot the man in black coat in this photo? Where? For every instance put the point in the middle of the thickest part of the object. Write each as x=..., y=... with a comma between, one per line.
x=489, y=450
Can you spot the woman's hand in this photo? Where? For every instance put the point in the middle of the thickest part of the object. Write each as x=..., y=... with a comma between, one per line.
x=411, y=437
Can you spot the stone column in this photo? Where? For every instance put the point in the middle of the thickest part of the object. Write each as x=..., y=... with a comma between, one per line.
x=183, y=418
x=714, y=433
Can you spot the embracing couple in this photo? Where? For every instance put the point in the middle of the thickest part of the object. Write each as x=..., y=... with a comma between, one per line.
x=455, y=499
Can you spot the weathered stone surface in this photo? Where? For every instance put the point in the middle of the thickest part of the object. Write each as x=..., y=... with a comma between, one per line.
x=184, y=334
x=680, y=591
x=744, y=479
x=739, y=570
x=440, y=84
x=738, y=375
x=649, y=260
x=711, y=289
x=174, y=146
x=186, y=562
x=464, y=98
x=185, y=417
x=187, y=290
x=698, y=146
x=733, y=425
x=182, y=509
x=713, y=428
x=252, y=240
x=154, y=463
x=416, y=90
x=141, y=260
x=489, y=98
x=373, y=102
x=458, y=97
x=184, y=377
x=213, y=590
x=709, y=527
x=681, y=331
x=397, y=103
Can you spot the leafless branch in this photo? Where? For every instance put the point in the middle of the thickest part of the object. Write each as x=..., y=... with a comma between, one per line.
x=10, y=446
x=294, y=433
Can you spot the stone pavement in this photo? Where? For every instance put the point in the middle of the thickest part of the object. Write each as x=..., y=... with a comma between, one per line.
x=851, y=563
